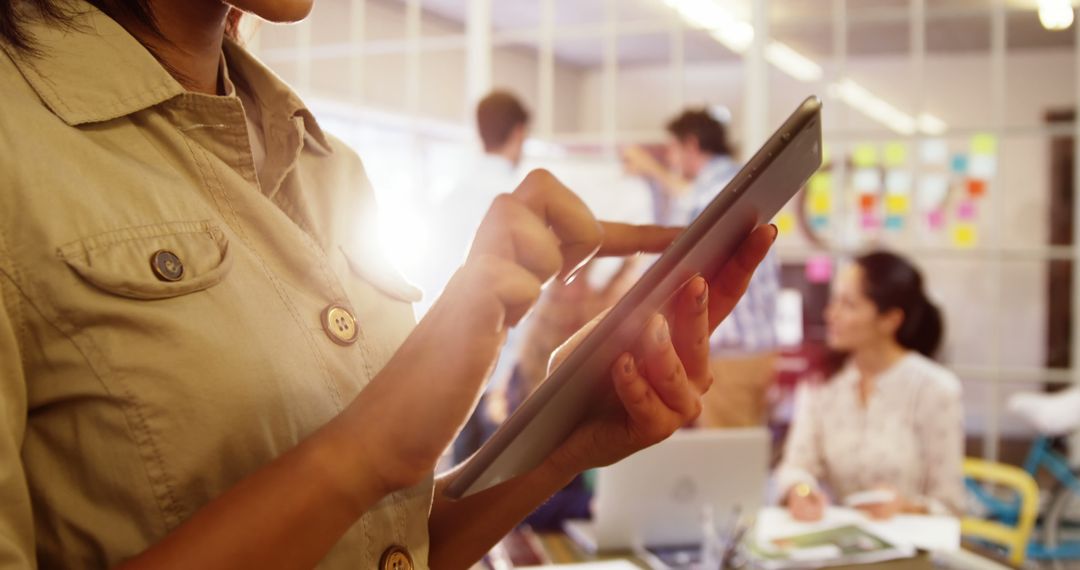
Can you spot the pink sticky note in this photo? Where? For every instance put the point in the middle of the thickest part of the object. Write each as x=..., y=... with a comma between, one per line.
x=819, y=269
x=870, y=221
x=935, y=219
x=966, y=210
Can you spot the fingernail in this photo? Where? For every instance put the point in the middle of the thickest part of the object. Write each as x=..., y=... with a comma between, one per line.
x=628, y=365
x=661, y=331
x=775, y=232
x=703, y=297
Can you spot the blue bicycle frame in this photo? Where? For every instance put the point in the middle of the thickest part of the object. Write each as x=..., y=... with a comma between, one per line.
x=1008, y=511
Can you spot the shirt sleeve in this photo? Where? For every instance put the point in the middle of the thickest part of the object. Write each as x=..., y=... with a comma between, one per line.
x=16, y=516
x=802, y=461
x=940, y=429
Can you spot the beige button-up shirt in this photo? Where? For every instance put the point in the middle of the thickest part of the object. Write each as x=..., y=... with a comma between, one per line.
x=128, y=401
x=909, y=435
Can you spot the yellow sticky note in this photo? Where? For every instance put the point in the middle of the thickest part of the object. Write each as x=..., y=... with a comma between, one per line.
x=826, y=154
x=820, y=183
x=965, y=235
x=864, y=156
x=896, y=203
x=984, y=143
x=895, y=154
x=820, y=203
x=785, y=222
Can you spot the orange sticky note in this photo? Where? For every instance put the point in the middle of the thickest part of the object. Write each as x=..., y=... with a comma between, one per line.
x=867, y=201
x=976, y=188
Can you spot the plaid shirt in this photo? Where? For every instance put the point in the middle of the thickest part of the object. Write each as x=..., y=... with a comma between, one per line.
x=751, y=326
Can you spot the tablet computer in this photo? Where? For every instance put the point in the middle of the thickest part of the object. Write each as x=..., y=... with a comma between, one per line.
x=547, y=417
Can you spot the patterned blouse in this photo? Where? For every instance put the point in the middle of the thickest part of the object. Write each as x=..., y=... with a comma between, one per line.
x=908, y=436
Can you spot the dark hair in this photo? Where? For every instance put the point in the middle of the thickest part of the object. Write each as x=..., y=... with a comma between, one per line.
x=892, y=282
x=497, y=116
x=13, y=13
x=711, y=134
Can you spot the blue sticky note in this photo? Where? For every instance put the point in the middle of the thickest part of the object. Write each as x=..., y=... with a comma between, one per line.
x=818, y=223
x=960, y=163
x=894, y=223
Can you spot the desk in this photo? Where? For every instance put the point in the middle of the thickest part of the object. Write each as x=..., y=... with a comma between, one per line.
x=557, y=548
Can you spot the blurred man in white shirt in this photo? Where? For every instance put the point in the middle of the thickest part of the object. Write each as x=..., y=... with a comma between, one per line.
x=503, y=124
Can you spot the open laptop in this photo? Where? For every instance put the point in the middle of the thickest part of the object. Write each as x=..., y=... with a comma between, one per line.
x=656, y=497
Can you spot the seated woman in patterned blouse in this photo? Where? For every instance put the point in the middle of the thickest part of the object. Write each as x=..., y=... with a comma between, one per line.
x=890, y=419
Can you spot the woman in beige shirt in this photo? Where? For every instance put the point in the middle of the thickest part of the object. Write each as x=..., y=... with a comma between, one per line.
x=204, y=361
x=890, y=420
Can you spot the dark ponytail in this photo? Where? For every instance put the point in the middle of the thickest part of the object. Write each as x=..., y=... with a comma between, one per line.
x=892, y=282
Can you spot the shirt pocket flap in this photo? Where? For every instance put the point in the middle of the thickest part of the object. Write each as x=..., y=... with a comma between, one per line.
x=381, y=274
x=123, y=261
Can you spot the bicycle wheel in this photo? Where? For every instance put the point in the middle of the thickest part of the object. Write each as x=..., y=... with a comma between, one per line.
x=1062, y=522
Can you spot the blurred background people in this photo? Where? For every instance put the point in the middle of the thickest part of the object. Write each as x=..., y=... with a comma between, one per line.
x=700, y=163
x=502, y=123
x=890, y=419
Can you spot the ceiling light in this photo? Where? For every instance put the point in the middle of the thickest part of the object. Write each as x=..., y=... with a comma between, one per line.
x=1055, y=14
x=873, y=106
x=931, y=125
x=737, y=35
x=705, y=14
x=792, y=62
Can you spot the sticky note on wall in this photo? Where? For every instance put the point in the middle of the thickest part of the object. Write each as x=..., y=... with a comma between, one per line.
x=820, y=203
x=898, y=181
x=960, y=163
x=785, y=222
x=982, y=166
x=933, y=189
x=935, y=219
x=819, y=269
x=966, y=211
x=984, y=143
x=895, y=154
x=965, y=235
x=934, y=151
x=864, y=156
x=867, y=180
x=869, y=221
x=820, y=182
x=976, y=188
x=896, y=204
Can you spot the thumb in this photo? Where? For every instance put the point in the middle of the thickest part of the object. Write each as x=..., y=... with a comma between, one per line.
x=575, y=340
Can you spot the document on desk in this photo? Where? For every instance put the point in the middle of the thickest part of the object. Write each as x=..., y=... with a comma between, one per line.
x=925, y=532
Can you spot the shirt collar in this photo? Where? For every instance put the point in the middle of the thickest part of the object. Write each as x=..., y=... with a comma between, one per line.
x=849, y=375
x=496, y=162
x=273, y=95
x=92, y=70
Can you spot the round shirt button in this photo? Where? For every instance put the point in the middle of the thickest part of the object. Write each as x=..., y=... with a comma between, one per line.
x=166, y=265
x=340, y=325
x=396, y=558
